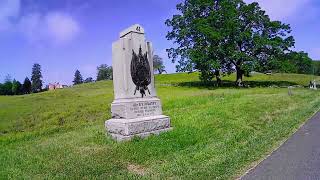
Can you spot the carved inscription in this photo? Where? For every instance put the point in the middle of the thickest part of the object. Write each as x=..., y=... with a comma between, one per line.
x=145, y=109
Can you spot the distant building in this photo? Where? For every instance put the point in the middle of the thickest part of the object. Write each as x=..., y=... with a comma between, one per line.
x=56, y=86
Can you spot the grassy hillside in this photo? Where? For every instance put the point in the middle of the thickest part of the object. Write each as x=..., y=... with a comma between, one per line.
x=218, y=133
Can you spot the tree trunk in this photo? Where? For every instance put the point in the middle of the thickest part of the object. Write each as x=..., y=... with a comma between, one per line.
x=217, y=74
x=239, y=76
x=160, y=72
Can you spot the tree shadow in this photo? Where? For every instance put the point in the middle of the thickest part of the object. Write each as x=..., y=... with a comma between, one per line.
x=231, y=84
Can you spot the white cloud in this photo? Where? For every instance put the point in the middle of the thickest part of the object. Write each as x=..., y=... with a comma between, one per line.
x=55, y=27
x=48, y=28
x=282, y=9
x=8, y=9
x=30, y=26
x=61, y=27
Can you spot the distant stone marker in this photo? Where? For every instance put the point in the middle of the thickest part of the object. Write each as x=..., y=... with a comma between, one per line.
x=136, y=110
x=313, y=85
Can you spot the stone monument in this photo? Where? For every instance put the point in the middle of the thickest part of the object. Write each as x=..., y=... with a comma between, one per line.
x=313, y=85
x=136, y=110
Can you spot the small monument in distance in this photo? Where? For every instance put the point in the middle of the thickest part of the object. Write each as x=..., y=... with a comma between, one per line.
x=313, y=85
x=136, y=110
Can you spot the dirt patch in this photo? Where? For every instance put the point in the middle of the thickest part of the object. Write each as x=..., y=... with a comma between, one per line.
x=136, y=169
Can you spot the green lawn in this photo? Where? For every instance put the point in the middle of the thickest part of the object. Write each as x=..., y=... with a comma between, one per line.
x=218, y=132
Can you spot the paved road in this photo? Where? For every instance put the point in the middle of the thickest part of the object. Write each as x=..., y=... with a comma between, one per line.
x=297, y=159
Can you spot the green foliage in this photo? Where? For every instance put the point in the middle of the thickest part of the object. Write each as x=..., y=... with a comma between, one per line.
x=247, y=68
x=158, y=64
x=6, y=88
x=16, y=88
x=213, y=35
x=8, y=78
x=292, y=62
x=104, y=72
x=26, y=87
x=218, y=133
x=302, y=61
x=77, y=78
x=88, y=80
x=280, y=64
x=316, y=68
x=36, y=78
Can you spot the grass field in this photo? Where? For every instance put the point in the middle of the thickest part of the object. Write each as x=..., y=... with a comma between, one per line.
x=218, y=132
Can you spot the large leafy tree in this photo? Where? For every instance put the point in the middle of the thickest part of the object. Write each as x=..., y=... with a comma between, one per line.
x=77, y=78
x=26, y=86
x=158, y=64
x=104, y=72
x=36, y=78
x=214, y=36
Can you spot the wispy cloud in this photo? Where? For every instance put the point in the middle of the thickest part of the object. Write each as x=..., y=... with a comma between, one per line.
x=53, y=27
x=9, y=9
x=282, y=9
x=61, y=27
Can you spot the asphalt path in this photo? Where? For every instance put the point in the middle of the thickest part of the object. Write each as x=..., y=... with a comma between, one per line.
x=297, y=159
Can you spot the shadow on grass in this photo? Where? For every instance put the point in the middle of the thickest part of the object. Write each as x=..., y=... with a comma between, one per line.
x=231, y=84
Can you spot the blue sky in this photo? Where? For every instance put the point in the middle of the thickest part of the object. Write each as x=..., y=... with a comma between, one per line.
x=65, y=35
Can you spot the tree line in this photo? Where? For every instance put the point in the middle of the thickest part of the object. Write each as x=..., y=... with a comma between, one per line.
x=105, y=72
x=218, y=37
x=316, y=68
x=14, y=87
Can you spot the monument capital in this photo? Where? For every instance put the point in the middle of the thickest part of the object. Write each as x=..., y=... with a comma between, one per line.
x=132, y=29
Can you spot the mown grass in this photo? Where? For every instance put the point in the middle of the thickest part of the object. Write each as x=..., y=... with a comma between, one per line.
x=218, y=132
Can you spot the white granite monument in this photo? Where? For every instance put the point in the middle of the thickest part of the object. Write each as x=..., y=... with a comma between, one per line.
x=313, y=85
x=136, y=110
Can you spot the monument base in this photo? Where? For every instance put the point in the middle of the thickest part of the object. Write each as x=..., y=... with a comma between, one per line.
x=126, y=129
x=135, y=108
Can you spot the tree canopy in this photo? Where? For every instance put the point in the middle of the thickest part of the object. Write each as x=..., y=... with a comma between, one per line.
x=225, y=35
x=26, y=87
x=77, y=78
x=291, y=62
x=88, y=80
x=158, y=64
x=16, y=87
x=104, y=72
x=316, y=68
x=6, y=87
x=36, y=78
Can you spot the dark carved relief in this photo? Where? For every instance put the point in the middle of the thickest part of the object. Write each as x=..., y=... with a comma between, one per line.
x=140, y=72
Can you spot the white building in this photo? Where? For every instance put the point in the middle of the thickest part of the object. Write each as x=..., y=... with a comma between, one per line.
x=55, y=86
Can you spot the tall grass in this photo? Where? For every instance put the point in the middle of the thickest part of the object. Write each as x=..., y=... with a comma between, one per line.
x=218, y=132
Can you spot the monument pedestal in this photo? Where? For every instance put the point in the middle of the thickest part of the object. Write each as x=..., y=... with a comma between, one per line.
x=136, y=117
x=126, y=129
